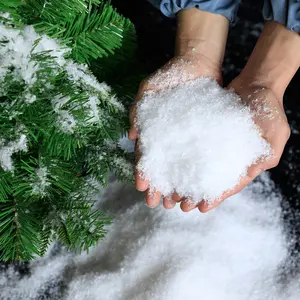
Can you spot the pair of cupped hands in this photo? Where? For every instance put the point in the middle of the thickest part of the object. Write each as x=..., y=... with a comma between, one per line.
x=274, y=128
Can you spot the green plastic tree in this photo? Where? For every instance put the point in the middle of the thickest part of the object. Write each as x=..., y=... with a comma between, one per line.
x=59, y=125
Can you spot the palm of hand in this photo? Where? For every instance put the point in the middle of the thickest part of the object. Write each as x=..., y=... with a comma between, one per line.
x=178, y=70
x=270, y=118
x=268, y=114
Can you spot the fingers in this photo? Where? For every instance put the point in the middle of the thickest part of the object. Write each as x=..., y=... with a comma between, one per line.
x=168, y=203
x=187, y=205
x=176, y=197
x=140, y=182
x=133, y=134
x=153, y=198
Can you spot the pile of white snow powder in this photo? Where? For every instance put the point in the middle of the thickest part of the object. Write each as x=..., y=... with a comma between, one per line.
x=197, y=139
x=234, y=253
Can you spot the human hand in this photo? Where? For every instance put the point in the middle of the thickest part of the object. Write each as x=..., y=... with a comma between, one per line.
x=268, y=114
x=176, y=71
x=200, y=46
x=262, y=83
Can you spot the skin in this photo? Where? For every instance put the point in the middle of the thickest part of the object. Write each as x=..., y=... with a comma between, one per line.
x=200, y=46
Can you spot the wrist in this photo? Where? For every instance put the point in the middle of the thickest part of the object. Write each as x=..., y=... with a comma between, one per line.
x=274, y=60
x=201, y=34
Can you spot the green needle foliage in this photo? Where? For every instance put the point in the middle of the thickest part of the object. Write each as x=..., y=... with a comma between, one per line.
x=91, y=28
x=59, y=127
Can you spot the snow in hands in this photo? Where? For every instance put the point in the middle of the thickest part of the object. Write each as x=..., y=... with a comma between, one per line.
x=197, y=139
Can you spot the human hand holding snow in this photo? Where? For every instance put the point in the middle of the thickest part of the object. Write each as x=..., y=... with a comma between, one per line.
x=269, y=116
x=262, y=83
x=200, y=46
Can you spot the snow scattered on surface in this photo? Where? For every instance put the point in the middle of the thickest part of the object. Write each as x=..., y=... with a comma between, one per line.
x=8, y=149
x=17, y=52
x=45, y=273
x=39, y=186
x=192, y=135
x=65, y=120
x=232, y=253
x=123, y=166
x=93, y=103
x=29, y=98
x=172, y=75
x=81, y=73
x=126, y=144
x=116, y=104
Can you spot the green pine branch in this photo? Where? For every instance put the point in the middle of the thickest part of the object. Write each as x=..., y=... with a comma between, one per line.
x=92, y=29
x=88, y=229
x=45, y=237
x=48, y=193
x=18, y=232
x=10, y=6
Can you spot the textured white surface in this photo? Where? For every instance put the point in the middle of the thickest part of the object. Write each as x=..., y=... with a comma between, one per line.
x=196, y=139
x=232, y=253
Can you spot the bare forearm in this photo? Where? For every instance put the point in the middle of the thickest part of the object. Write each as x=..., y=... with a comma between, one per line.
x=201, y=34
x=275, y=59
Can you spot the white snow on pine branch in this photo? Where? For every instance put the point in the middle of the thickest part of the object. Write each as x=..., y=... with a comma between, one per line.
x=16, y=52
x=94, y=112
x=65, y=119
x=29, y=98
x=126, y=144
x=8, y=149
x=80, y=73
x=123, y=166
x=5, y=16
x=115, y=103
x=39, y=186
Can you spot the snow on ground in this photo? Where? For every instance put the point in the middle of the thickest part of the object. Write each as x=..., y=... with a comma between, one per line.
x=236, y=252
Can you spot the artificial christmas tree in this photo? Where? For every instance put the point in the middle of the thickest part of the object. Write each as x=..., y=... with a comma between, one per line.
x=59, y=125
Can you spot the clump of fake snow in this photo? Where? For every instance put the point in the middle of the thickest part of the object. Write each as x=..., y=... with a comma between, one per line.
x=7, y=149
x=197, y=139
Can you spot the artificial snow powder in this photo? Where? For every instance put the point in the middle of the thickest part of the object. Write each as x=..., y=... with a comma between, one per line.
x=38, y=187
x=158, y=254
x=65, y=119
x=7, y=150
x=197, y=139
